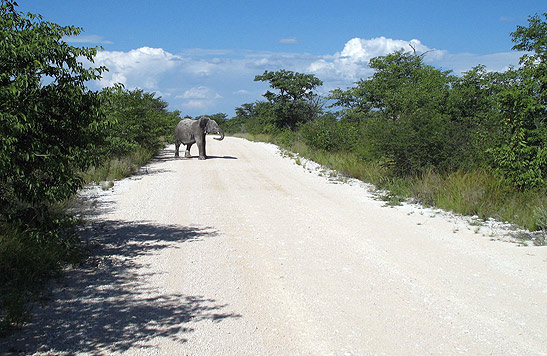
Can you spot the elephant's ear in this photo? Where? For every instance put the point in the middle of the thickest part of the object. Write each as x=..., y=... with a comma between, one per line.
x=203, y=122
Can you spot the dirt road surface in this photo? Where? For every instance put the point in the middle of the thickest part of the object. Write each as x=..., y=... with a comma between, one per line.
x=248, y=253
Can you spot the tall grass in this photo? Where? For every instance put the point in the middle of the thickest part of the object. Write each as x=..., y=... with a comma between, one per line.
x=119, y=167
x=29, y=256
x=481, y=193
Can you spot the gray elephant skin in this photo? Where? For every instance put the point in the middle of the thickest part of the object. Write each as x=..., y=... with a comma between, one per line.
x=189, y=131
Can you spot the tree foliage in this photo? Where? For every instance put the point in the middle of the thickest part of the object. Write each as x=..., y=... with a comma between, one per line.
x=328, y=134
x=523, y=102
x=295, y=101
x=416, y=116
x=403, y=112
x=138, y=119
x=49, y=118
x=51, y=126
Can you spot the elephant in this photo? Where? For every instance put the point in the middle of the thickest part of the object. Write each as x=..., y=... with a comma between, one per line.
x=189, y=131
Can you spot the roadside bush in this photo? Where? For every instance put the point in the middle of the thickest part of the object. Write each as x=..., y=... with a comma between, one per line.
x=412, y=145
x=522, y=157
x=119, y=167
x=47, y=131
x=137, y=118
x=53, y=128
x=327, y=133
x=138, y=125
x=286, y=138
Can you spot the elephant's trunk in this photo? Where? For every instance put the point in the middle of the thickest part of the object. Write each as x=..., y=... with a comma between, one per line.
x=221, y=132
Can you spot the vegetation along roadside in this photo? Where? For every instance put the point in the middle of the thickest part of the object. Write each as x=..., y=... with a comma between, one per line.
x=55, y=136
x=474, y=144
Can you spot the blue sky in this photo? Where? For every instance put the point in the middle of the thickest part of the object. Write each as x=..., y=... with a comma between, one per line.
x=201, y=56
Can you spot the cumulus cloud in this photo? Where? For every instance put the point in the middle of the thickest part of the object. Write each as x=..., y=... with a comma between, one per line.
x=203, y=81
x=260, y=61
x=140, y=67
x=352, y=62
x=201, y=92
x=200, y=97
x=195, y=105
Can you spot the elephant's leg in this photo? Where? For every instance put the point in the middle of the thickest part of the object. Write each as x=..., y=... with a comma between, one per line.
x=201, y=147
x=177, y=145
x=187, y=153
x=204, y=152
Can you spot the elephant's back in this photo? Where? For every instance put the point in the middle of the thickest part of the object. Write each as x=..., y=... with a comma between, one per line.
x=184, y=124
x=183, y=131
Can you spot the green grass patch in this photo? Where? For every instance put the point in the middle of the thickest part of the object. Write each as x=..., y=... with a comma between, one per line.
x=119, y=167
x=29, y=257
x=484, y=194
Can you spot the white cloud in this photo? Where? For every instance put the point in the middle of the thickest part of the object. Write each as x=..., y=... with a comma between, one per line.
x=352, y=62
x=140, y=67
x=199, y=98
x=290, y=40
x=201, y=92
x=242, y=92
x=195, y=105
x=202, y=81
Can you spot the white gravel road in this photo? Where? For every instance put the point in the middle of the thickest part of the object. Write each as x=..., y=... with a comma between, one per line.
x=248, y=253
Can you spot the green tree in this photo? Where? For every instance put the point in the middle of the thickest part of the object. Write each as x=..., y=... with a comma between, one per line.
x=403, y=85
x=255, y=118
x=405, y=106
x=354, y=102
x=329, y=134
x=295, y=101
x=523, y=156
x=220, y=118
x=474, y=109
x=237, y=123
x=51, y=125
x=49, y=120
x=138, y=118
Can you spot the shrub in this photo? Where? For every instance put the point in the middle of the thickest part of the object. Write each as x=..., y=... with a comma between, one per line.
x=329, y=134
x=47, y=131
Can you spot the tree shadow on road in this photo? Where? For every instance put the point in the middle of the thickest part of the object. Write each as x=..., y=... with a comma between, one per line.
x=106, y=305
x=164, y=155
